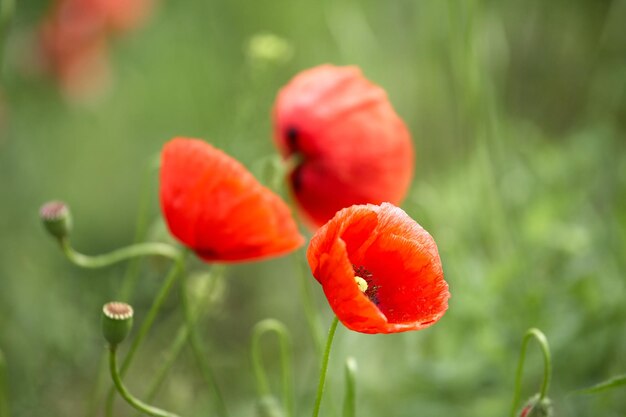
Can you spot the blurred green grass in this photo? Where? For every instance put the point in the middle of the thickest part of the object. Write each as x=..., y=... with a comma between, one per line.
x=518, y=114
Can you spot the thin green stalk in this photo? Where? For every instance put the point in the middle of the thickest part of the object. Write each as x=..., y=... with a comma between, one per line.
x=265, y=326
x=349, y=402
x=130, y=399
x=118, y=255
x=200, y=355
x=128, y=281
x=4, y=397
x=308, y=304
x=547, y=368
x=170, y=280
x=324, y=369
x=180, y=339
x=141, y=225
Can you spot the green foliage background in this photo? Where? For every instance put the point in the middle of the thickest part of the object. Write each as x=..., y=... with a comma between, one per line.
x=518, y=113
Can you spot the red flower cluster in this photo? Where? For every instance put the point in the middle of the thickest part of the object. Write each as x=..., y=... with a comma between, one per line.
x=352, y=146
x=379, y=269
x=214, y=206
x=74, y=39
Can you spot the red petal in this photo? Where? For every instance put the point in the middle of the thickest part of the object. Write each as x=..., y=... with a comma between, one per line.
x=355, y=148
x=216, y=207
x=410, y=292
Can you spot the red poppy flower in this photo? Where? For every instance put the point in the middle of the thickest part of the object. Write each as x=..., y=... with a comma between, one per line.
x=379, y=269
x=74, y=38
x=213, y=205
x=352, y=146
x=74, y=48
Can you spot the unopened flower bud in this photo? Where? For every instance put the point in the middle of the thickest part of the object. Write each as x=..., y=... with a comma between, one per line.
x=117, y=320
x=267, y=48
x=536, y=408
x=268, y=406
x=56, y=218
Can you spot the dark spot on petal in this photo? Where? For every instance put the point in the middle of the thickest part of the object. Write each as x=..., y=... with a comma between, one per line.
x=292, y=139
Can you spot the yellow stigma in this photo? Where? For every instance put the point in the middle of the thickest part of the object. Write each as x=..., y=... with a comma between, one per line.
x=361, y=283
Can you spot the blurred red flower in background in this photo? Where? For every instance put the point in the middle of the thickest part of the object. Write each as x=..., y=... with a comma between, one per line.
x=74, y=40
x=379, y=270
x=352, y=146
x=213, y=205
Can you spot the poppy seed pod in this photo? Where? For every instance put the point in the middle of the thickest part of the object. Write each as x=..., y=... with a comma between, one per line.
x=214, y=206
x=351, y=145
x=117, y=320
x=56, y=218
x=379, y=270
x=535, y=407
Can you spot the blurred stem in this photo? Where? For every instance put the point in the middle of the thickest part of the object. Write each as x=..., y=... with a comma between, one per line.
x=7, y=11
x=547, y=368
x=349, y=403
x=324, y=369
x=265, y=326
x=308, y=305
x=132, y=272
x=129, y=281
x=170, y=280
x=180, y=340
x=118, y=255
x=199, y=353
x=4, y=397
x=130, y=399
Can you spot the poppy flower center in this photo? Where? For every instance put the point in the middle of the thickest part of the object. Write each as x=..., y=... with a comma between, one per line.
x=365, y=280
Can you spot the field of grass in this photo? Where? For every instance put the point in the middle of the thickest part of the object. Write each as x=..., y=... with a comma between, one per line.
x=518, y=115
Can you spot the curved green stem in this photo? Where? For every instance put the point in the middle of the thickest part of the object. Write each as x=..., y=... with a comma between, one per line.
x=170, y=280
x=272, y=325
x=200, y=355
x=349, y=403
x=320, y=386
x=129, y=280
x=547, y=368
x=130, y=399
x=118, y=255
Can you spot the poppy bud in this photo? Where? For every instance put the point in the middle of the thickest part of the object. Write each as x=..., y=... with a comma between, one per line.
x=267, y=48
x=117, y=320
x=536, y=408
x=56, y=218
x=353, y=147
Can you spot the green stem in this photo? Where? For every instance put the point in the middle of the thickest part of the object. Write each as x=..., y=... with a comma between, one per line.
x=181, y=338
x=129, y=280
x=320, y=387
x=308, y=304
x=4, y=397
x=118, y=255
x=199, y=353
x=170, y=280
x=349, y=403
x=265, y=326
x=547, y=368
x=130, y=399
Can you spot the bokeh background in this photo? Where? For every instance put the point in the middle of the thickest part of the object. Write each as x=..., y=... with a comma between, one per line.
x=518, y=113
